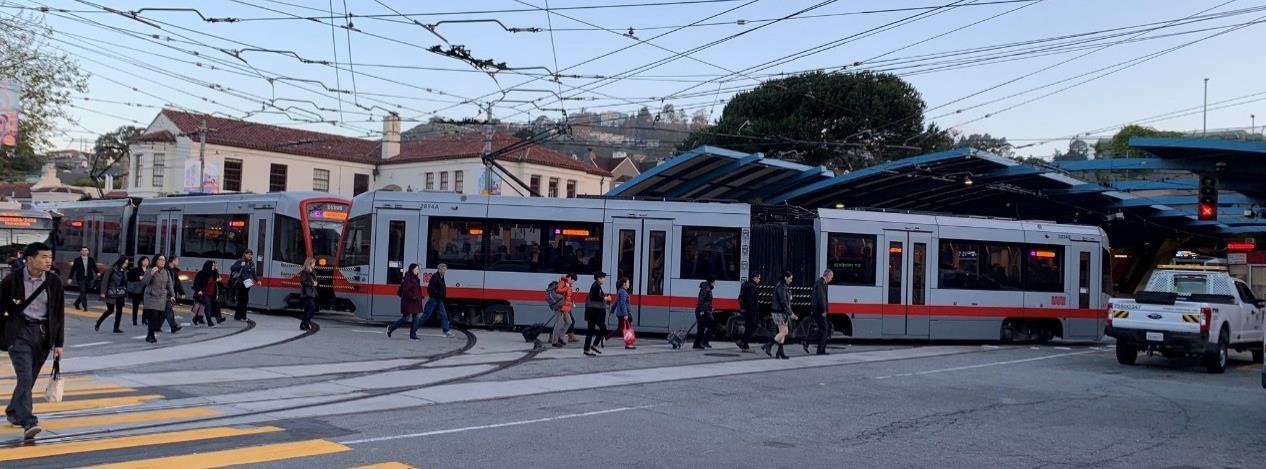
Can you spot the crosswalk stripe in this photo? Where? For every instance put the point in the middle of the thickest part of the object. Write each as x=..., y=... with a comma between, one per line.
x=66, y=406
x=55, y=424
x=9, y=383
x=84, y=391
x=386, y=465
x=234, y=457
x=77, y=386
x=106, y=444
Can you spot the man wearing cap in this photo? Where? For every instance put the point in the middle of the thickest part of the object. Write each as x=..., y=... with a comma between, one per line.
x=596, y=316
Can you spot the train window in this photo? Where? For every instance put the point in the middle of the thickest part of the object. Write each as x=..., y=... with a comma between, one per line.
x=288, y=240
x=205, y=236
x=624, y=260
x=235, y=236
x=918, y=274
x=455, y=242
x=710, y=251
x=356, y=246
x=1003, y=268
x=110, y=237
x=1044, y=269
x=395, y=251
x=852, y=258
x=72, y=235
x=146, y=234
x=895, y=264
x=1105, y=265
x=573, y=248
x=657, y=271
x=970, y=265
x=514, y=246
x=1083, y=280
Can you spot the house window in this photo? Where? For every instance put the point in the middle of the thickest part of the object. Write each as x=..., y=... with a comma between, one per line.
x=136, y=179
x=360, y=184
x=535, y=184
x=232, y=175
x=430, y=181
x=277, y=178
x=459, y=179
x=159, y=168
x=553, y=187
x=444, y=180
x=321, y=180
x=571, y=188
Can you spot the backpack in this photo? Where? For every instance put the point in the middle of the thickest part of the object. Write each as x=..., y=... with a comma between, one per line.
x=553, y=298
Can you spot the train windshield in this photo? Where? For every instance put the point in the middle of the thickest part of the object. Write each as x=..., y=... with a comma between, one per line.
x=325, y=225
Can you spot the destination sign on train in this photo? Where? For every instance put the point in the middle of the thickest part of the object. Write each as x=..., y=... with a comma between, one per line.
x=19, y=222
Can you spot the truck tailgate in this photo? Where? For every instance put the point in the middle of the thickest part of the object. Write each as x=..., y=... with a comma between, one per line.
x=1180, y=317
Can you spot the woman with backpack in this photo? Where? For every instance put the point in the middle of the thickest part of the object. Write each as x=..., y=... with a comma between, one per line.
x=114, y=292
x=410, y=293
x=562, y=291
x=623, y=314
x=308, y=292
x=778, y=311
x=596, y=316
x=135, y=289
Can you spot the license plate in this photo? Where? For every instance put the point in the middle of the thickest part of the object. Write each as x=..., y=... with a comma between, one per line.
x=1155, y=337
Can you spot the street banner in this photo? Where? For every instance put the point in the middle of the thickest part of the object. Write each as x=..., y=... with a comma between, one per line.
x=490, y=183
x=10, y=107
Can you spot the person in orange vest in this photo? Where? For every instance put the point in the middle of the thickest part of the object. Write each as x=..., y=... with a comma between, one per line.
x=563, y=288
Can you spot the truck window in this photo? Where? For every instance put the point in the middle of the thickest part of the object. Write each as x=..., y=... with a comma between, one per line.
x=1246, y=295
x=1188, y=284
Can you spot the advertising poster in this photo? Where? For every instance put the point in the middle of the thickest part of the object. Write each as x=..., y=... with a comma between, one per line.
x=9, y=110
x=211, y=178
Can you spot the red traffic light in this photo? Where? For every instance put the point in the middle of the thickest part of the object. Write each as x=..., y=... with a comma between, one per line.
x=1207, y=211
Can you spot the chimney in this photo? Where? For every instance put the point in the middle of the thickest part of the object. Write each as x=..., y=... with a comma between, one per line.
x=592, y=157
x=390, y=136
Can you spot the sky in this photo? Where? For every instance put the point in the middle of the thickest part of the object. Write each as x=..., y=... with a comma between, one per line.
x=270, y=66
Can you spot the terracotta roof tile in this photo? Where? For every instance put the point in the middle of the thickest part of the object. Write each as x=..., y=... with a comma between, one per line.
x=245, y=134
x=468, y=145
x=160, y=136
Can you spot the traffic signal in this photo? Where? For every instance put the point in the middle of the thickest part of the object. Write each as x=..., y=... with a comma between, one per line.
x=1208, y=198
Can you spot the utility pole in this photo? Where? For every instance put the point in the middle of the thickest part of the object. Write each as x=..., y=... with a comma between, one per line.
x=202, y=155
x=1205, y=132
x=1253, y=129
x=487, y=153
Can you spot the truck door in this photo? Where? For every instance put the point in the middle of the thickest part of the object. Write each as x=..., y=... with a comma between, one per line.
x=1250, y=329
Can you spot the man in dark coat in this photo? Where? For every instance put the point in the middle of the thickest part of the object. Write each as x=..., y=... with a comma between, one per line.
x=703, y=314
x=83, y=271
x=820, y=304
x=31, y=329
x=749, y=308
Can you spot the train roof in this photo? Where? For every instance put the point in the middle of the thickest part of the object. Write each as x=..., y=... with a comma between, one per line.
x=962, y=221
x=388, y=197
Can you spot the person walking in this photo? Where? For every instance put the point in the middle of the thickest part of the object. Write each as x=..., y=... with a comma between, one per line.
x=703, y=314
x=173, y=269
x=748, y=308
x=158, y=292
x=241, y=279
x=819, y=306
x=564, y=322
x=623, y=314
x=206, y=291
x=35, y=307
x=114, y=293
x=437, y=292
x=410, y=293
x=308, y=292
x=83, y=272
x=596, y=316
x=779, y=311
x=136, y=289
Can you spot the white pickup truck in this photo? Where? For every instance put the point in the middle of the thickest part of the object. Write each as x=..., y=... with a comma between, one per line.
x=1187, y=311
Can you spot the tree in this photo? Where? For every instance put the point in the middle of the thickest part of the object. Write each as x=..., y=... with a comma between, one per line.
x=1119, y=145
x=108, y=151
x=986, y=142
x=667, y=115
x=699, y=120
x=1078, y=150
x=46, y=78
x=842, y=120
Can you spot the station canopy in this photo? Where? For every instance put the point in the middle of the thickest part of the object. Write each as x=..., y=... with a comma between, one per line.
x=962, y=181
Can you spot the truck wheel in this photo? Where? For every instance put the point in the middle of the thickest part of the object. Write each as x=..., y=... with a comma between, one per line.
x=1257, y=355
x=1127, y=354
x=1215, y=361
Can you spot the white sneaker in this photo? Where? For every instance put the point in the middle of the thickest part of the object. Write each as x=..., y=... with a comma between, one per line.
x=449, y=335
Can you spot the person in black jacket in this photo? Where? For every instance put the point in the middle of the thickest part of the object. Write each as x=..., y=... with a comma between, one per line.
x=703, y=314
x=206, y=292
x=83, y=271
x=173, y=269
x=820, y=305
x=134, y=289
x=308, y=292
x=779, y=311
x=114, y=292
x=748, y=307
x=596, y=316
x=31, y=330
x=437, y=292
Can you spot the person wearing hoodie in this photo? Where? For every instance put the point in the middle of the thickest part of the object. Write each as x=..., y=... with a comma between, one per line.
x=596, y=316
x=703, y=314
x=206, y=291
x=748, y=307
x=411, y=302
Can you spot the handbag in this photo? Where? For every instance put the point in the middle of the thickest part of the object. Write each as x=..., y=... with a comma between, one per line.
x=630, y=337
x=116, y=292
x=198, y=309
x=135, y=288
x=56, y=385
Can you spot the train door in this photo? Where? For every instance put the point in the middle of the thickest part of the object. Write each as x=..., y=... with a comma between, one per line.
x=259, y=241
x=642, y=248
x=168, y=233
x=905, y=311
x=1085, y=287
x=396, y=231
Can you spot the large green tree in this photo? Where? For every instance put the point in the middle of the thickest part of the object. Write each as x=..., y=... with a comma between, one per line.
x=46, y=78
x=110, y=150
x=1119, y=145
x=989, y=143
x=842, y=120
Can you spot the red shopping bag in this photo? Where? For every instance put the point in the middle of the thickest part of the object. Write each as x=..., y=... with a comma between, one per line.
x=630, y=337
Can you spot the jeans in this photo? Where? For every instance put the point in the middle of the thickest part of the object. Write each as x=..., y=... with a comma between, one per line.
x=28, y=354
x=561, y=326
x=243, y=296
x=704, y=336
x=170, y=315
x=595, y=333
x=113, y=306
x=409, y=319
x=432, y=305
x=82, y=299
x=309, y=310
